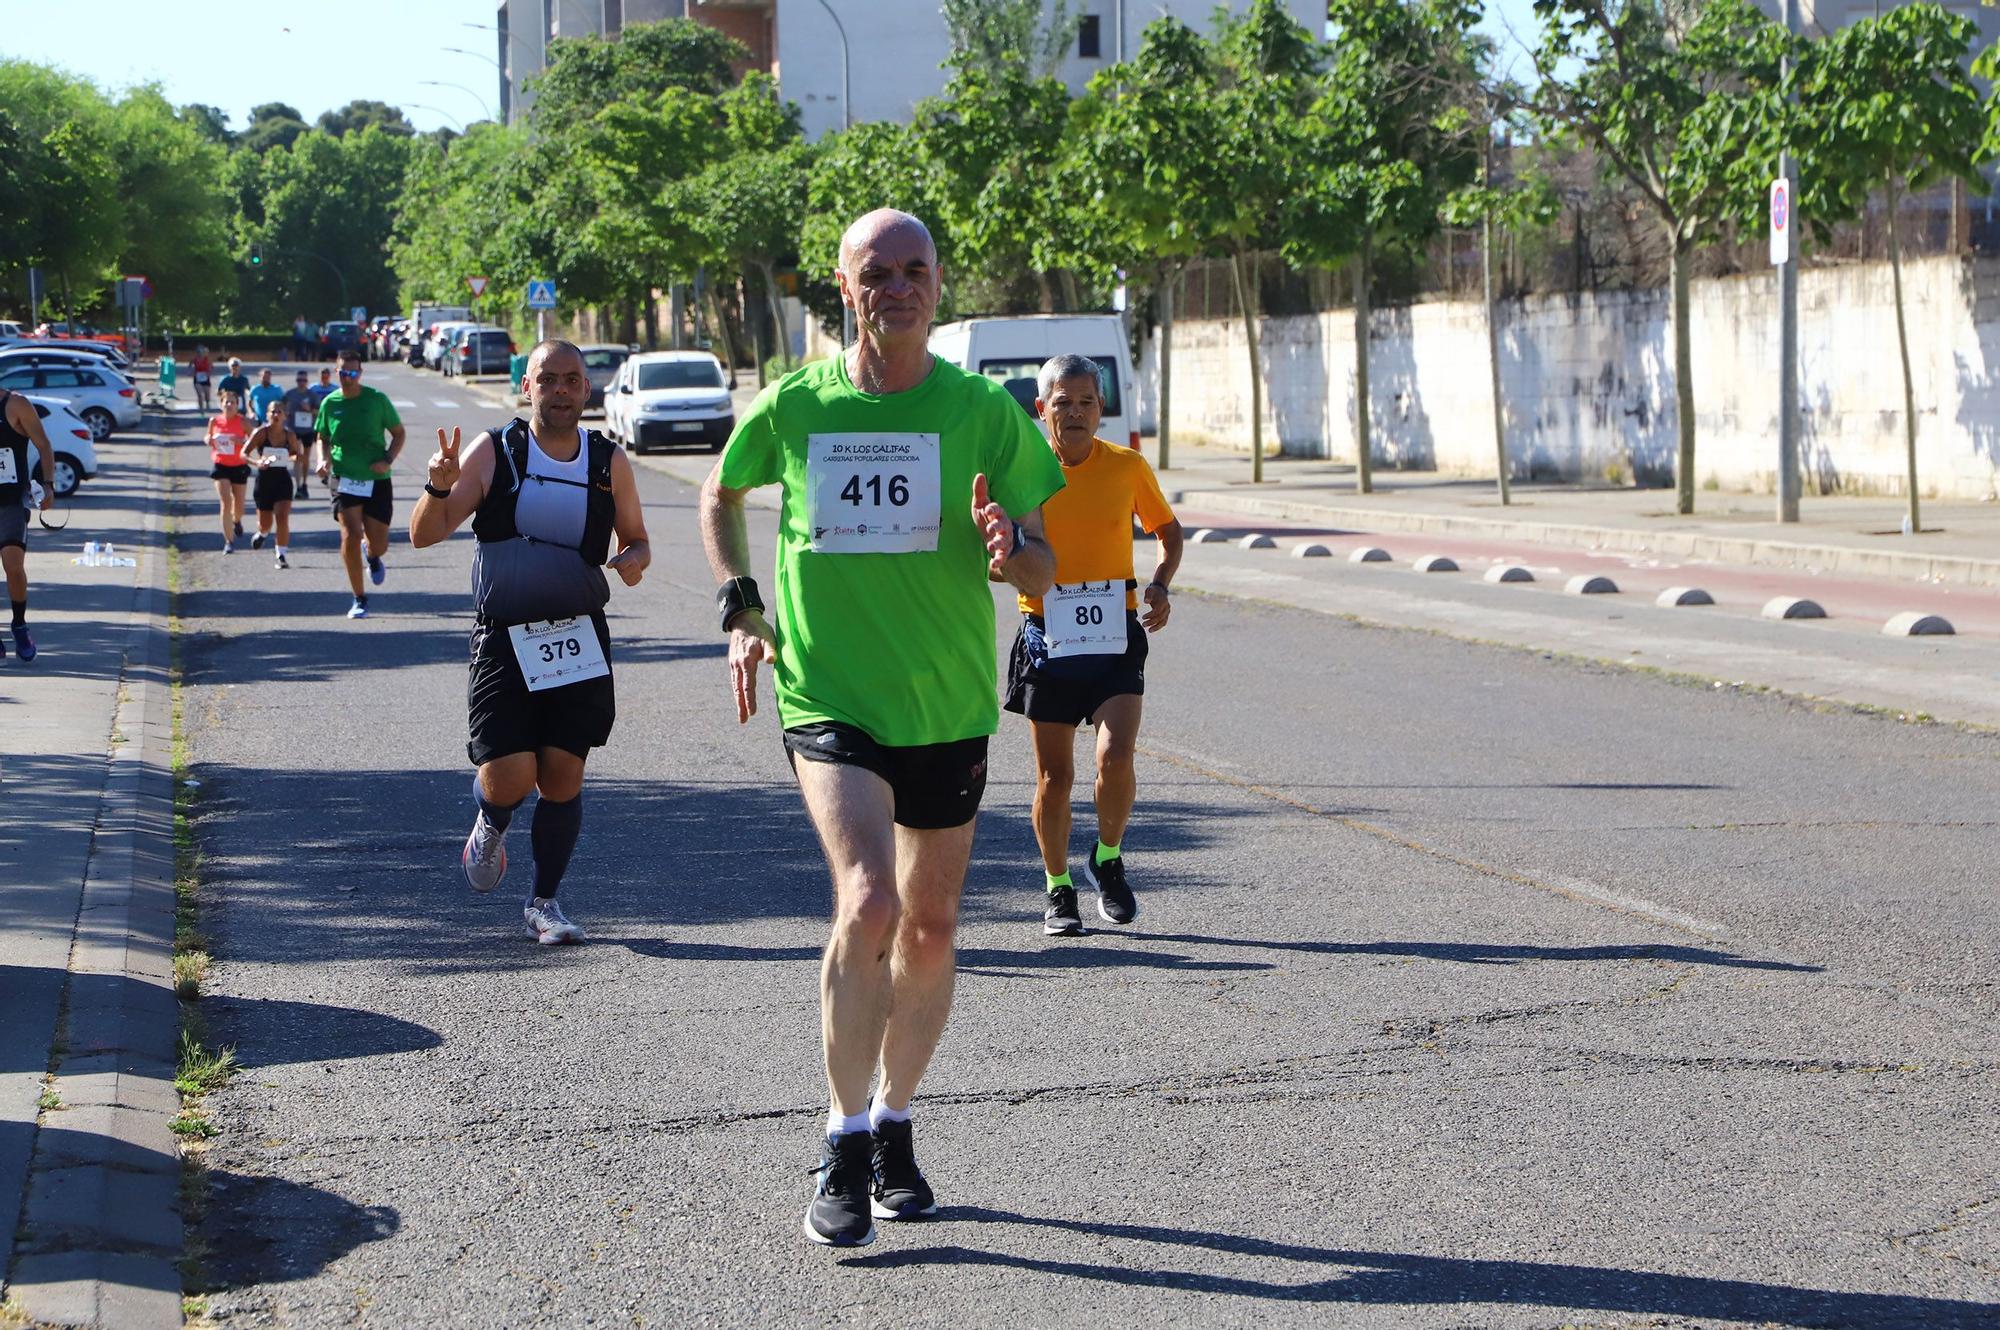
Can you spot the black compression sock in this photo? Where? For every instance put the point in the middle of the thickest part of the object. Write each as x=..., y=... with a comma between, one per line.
x=498, y=815
x=21, y=612
x=556, y=828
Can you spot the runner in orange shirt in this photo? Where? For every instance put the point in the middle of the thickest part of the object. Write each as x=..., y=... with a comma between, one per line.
x=1081, y=652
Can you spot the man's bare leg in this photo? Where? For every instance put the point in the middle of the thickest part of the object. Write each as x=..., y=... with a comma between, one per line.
x=930, y=877
x=1117, y=785
x=350, y=547
x=854, y=813
x=1055, y=777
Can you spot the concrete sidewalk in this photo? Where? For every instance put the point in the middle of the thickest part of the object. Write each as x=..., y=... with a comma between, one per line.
x=1860, y=537
x=87, y=1052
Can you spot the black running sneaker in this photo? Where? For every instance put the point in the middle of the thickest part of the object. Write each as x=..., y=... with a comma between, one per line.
x=838, y=1215
x=900, y=1189
x=1061, y=919
x=1114, y=898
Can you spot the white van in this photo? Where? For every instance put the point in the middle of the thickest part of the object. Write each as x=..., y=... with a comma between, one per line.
x=1012, y=350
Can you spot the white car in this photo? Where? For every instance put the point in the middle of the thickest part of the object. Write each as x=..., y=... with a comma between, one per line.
x=76, y=453
x=101, y=397
x=439, y=342
x=662, y=398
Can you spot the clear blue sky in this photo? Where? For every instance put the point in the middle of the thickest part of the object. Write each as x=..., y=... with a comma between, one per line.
x=315, y=56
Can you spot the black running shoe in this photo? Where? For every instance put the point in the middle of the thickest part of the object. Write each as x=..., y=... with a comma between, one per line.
x=838, y=1215
x=900, y=1189
x=1061, y=919
x=1114, y=898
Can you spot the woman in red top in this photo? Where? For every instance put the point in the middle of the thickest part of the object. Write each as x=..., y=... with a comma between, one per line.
x=202, y=369
x=227, y=433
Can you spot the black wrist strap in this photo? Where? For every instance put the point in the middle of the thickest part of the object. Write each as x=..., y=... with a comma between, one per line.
x=434, y=492
x=735, y=596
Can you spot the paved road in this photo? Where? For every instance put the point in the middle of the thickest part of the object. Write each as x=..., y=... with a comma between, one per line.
x=1470, y=988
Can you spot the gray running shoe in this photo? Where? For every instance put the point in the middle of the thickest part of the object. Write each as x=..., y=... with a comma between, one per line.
x=485, y=857
x=1060, y=918
x=547, y=924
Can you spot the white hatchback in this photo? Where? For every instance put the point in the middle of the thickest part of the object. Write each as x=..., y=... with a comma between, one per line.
x=663, y=398
x=101, y=397
x=76, y=452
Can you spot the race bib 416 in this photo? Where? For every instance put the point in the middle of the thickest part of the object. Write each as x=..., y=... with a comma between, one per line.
x=873, y=493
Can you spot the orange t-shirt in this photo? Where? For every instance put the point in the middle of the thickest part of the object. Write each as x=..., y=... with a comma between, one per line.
x=225, y=440
x=1089, y=520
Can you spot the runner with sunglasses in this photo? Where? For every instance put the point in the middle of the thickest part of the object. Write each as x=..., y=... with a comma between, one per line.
x=351, y=456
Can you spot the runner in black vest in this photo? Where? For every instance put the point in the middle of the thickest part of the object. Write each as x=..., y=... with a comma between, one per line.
x=545, y=497
x=20, y=425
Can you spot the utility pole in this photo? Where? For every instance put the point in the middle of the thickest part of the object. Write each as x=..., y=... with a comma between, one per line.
x=1788, y=320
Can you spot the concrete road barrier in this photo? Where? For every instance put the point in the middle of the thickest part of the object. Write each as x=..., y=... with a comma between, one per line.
x=1915, y=623
x=1436, y=563
x=1311, y=549
x=1508, y=572
x=1683, y=595
x=1590, y=584
x=1792, y=607
x=1369, y=554
x=1257, y=540
x=1208, y=535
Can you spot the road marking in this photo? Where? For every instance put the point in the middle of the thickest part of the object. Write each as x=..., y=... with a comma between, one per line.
x=444, y=402
x=401, y=401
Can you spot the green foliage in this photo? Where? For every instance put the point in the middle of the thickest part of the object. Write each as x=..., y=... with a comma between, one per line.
x=587, y=74
x=322, y=205
x=357, y=115
x=211, y=122
x=175, y=211
x=985, y=33
x=272, y=125
x=877, y=164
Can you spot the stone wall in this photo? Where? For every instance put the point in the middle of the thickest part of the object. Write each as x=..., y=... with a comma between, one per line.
x=1587, y=382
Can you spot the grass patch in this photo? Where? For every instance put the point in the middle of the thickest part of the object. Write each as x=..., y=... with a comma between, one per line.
x=49, y=1100
x=190, y=969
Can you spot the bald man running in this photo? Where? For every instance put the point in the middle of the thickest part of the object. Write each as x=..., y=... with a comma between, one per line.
x=907, y=482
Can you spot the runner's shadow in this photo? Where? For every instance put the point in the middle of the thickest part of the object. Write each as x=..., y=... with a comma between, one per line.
x=270, y=1032
x=271, y=1230
x=996, y=963
x=1487, y=953
x=1396, y=1279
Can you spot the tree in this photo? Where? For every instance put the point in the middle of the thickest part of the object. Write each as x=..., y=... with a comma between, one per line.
x=1687, y=105
x=272, y=125
x=749, y=208
x=985, y=33
x=1886, y=105
x=357, y=115
x=211, y=122
x=586, y=74
x=1147, y=147
x=323, y=210
x=876, y=164
x=173, y=204
x=1386, y=142
x=66, y=174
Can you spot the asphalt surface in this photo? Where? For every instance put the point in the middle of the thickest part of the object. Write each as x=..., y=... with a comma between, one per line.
x=1471, y=987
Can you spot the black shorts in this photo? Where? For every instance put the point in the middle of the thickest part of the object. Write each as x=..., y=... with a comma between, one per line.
x=273, y=487
x=235, y=475
x=504, y=717
x=377, y=507
x=935, y=785
x=1069, y=691
x=13, y=523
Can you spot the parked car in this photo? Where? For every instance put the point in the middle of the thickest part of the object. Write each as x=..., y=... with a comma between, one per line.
x=481, y=351
x=661, y=398
x=338, y=336
x=9, y=328
x=438, y=341
x=102, y=398
x=1011, y=350
x=102, y=351
x=601, y=362
x=76, y=452
x=51, y=353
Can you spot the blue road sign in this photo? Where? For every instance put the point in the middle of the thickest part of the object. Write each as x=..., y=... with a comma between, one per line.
x=541, y=294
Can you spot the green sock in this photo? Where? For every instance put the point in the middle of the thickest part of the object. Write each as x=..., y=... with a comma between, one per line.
x=1057, y=881
x=1104, y=853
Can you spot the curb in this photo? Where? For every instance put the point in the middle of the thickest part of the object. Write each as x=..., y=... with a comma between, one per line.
x=101, y=1222
x=1957, y=570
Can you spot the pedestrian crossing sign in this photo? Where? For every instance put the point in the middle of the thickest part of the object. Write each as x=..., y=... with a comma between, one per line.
x=541, y=294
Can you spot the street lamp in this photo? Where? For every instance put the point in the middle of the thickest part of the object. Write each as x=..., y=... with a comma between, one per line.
x=846, y=105
x=434, y=83
x=419, y=106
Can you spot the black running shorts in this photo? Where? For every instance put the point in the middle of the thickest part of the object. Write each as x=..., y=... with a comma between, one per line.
x=1070, y=690
x=273, y=487
x=236, y=474
x=935, y=785
x=504, y=717
x=377, y=507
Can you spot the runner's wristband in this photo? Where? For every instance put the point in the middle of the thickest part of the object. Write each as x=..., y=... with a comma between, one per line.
x=736, y=596
x=434, y=492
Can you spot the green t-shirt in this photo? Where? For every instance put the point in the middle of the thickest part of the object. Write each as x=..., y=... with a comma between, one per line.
x=899, y=645
x=355, y=430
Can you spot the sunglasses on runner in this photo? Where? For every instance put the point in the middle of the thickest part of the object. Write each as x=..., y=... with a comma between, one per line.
x=350, y=374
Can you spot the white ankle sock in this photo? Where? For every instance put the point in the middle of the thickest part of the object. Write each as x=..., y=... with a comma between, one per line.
x=840, y=1124
x=879, y=1113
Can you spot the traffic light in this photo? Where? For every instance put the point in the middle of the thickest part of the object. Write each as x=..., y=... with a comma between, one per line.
x=256, y=256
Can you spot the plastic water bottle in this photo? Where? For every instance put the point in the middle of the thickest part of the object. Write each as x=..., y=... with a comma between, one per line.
x=90, y=554
x=1906, y=524
x=110, y=554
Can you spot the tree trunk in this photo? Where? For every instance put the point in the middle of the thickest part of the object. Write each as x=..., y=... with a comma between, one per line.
x=1683, y=255
x=754, y=329
x=784, y=334
x=1243, y=299
x=1493, y=340
x=1166, y=364
x=1903, y=350
x=1364, y=447
x=1066, y=283
x=651, y=309
x=721, y=317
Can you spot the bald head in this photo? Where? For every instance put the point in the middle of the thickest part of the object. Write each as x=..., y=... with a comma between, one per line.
x=557, y=386
x=883, y=226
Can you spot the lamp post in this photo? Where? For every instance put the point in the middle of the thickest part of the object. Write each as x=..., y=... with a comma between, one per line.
x=846, y=104
x=435, y=110
x=434, y=83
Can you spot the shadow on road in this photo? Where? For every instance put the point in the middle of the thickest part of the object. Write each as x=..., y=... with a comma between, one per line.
x=1401, y=1280
x=1487, y=953
x=270, y=1230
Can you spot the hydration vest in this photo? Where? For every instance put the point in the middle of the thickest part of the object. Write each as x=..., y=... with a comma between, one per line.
x=494, y=520
x=16, y=443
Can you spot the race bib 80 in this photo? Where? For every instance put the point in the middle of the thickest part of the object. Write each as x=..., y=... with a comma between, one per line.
x=873, y=493
x=1085, y=619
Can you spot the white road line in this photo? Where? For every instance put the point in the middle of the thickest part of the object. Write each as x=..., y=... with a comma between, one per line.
x=445, y=402
x=1603, y=895
x=401, y=401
